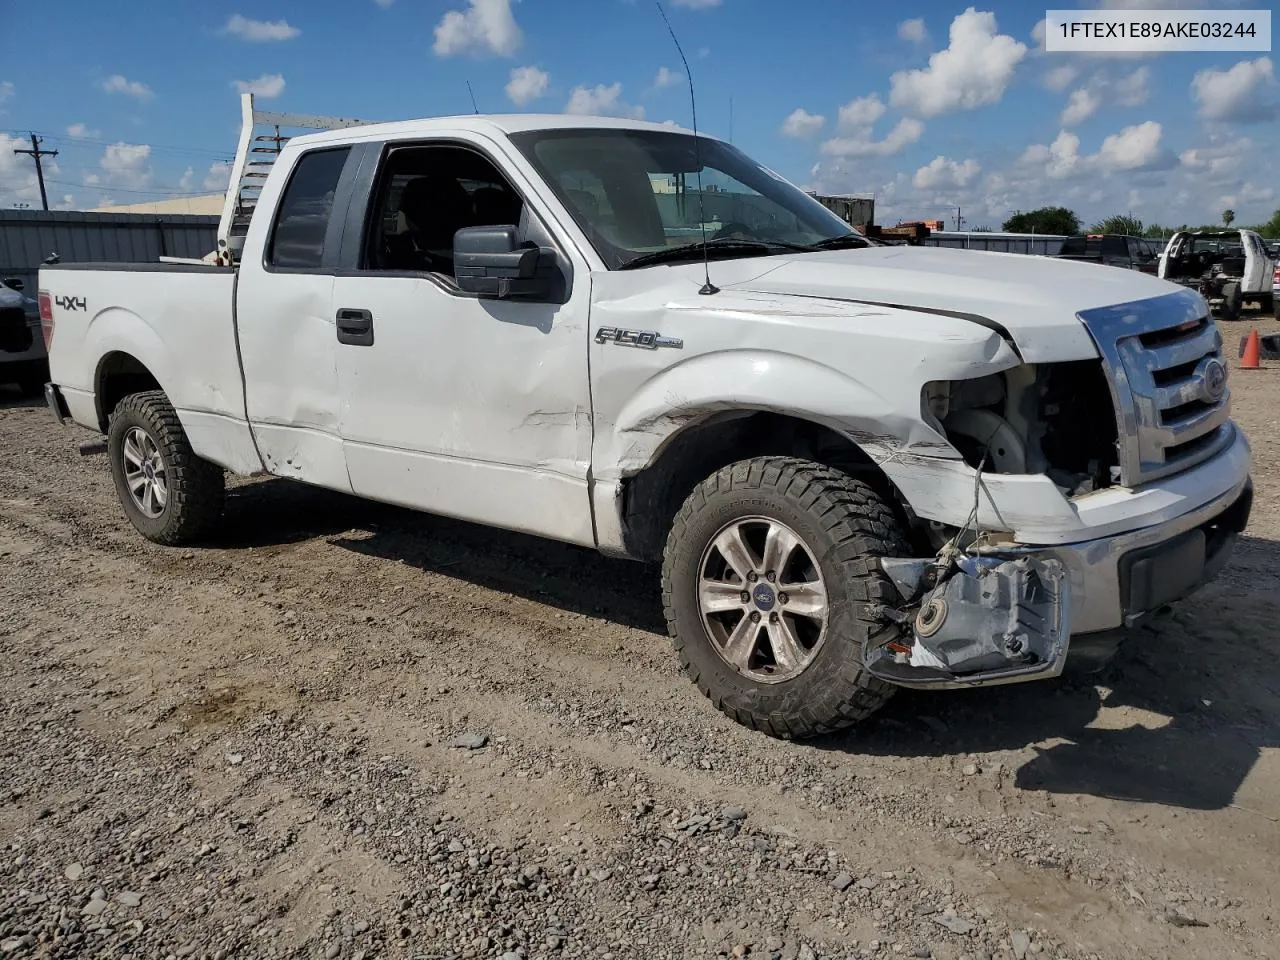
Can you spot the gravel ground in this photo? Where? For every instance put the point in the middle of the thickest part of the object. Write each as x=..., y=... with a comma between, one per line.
x=344, y=730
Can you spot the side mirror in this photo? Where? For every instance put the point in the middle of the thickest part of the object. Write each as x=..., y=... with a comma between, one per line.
x=487, y=261
x=14, y=283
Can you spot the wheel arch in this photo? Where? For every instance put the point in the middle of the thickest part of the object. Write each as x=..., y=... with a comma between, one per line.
x=132, y=357
x=119, y=374
x=652, y=495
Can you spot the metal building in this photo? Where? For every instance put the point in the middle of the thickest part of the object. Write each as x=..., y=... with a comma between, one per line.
x=27, y=237
x=1043, y=244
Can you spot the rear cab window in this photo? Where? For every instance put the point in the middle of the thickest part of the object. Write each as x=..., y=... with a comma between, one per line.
x=302, y=218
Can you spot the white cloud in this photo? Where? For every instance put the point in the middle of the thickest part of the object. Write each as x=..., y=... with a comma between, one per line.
x=1134, y=149
x=127, y=165
x=858, y=114
x=259, y=31
x=1060, y=159
x=802, y=125
x=218, y=177
x=913, y=30
x=1218, y=162
x=601, y=101
x=78, y=131
x=526, y=85
x=1060, y=77
x=188, y=180
x=1082, y=105
x=907, y=131
x=268, y=86
x=1247, y=194
x=1134, y=89
x=973, y=70
x=132, y=88
x=486, y=27
x=941, y=173
x=666, y=78
x=1241, y=94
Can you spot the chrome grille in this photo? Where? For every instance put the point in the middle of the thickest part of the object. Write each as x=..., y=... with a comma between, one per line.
x=1164, y=362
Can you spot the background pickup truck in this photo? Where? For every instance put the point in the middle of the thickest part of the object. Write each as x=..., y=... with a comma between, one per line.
x=859, y=466
x=1113, y=250
x=1229, y=268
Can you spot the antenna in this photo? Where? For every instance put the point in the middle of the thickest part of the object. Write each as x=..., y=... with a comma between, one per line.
x=473, y=97
x=708, y=287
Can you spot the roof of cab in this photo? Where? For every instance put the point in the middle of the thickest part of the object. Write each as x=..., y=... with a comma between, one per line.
x=487, y=123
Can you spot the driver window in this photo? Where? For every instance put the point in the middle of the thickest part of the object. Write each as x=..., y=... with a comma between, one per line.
x=424, y=196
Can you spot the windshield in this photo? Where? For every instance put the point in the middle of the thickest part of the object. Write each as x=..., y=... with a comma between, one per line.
x=1228, y=244
x=635, y=193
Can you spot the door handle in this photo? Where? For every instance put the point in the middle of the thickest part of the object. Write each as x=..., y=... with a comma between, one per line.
x=355, y=327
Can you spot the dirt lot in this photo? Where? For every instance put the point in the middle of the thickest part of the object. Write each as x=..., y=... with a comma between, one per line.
x=249, y=750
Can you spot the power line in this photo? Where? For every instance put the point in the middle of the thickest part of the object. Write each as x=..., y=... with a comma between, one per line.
x=108, y=188
x=36, y=152
x=66, y=142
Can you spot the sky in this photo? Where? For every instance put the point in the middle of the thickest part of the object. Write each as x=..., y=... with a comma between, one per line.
x=926, y=106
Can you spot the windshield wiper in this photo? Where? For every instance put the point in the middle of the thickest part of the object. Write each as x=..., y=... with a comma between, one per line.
x=692, y=251
x=849, y=240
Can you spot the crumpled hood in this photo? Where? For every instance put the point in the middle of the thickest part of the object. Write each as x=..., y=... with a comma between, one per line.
x=1035, y=299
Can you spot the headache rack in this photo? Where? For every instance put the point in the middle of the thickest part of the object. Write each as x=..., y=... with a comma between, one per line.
x=261, y=141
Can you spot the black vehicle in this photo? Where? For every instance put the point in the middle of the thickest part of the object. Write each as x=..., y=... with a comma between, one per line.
x=22, y=352
x=1114, y=250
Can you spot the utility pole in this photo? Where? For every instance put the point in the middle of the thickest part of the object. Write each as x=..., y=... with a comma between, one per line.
x=958, y=219
x=36, y=152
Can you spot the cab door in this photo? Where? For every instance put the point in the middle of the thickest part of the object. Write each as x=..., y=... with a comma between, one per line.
x=463, y=406
x=1258, y=274
x=284, y=320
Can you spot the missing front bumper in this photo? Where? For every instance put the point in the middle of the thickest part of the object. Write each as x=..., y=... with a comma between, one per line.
x=977, y=622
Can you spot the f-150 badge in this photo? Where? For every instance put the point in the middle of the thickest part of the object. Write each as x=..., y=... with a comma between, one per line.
x=648, y=339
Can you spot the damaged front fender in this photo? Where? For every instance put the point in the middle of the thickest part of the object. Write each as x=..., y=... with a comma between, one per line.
x=977, y=622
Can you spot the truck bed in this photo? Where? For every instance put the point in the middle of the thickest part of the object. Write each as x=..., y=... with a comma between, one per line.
x=175, y=320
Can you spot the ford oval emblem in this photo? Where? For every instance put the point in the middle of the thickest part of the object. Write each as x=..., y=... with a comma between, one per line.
x=1213, y=379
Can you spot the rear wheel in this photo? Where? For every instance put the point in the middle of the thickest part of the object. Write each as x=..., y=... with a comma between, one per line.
x=169, y=494
x=767, y=575
x=1232, y=301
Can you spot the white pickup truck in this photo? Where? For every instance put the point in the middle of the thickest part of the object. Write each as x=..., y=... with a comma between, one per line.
x=860, y=466
x=1229, y=268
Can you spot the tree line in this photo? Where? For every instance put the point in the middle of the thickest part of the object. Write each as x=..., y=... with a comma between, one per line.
x=1062, y=221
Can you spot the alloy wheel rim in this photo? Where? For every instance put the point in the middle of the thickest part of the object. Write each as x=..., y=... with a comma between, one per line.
x=145, y=473
x=762, y=599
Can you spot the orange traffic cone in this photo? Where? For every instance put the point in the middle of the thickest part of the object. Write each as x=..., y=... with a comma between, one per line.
x=1249, y=360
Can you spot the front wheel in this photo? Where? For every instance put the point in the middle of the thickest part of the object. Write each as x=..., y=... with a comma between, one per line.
x=767, y=575
x=169, y=494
